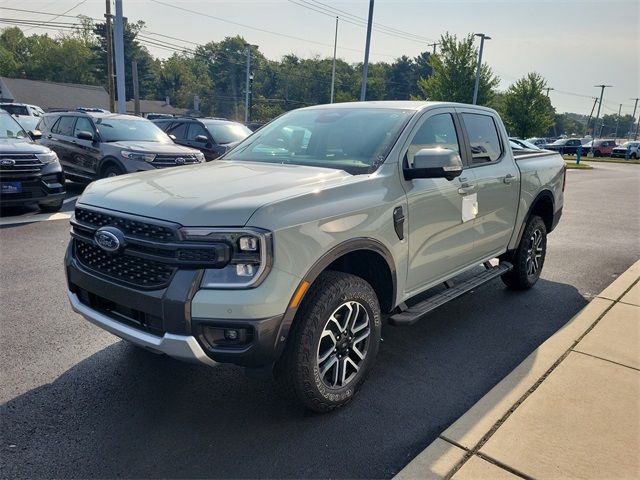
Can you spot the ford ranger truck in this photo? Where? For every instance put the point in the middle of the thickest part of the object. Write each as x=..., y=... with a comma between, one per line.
x=285, y=254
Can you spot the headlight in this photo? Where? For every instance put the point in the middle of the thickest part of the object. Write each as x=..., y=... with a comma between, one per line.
x=47, y=157
x=199, y=156
x=129, y=155
x=250, y=257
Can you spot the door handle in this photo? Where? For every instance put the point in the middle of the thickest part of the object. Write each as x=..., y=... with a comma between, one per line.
x=508, y=178
x=49, y=136
x=466, y=188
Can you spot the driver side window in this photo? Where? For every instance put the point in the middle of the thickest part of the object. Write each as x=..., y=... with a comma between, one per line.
x=437, y=131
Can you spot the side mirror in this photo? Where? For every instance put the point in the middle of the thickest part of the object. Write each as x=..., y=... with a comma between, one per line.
x=201, y=139
x=35, y=134
x=172, y=137
x=434, y=163
x=84, y=135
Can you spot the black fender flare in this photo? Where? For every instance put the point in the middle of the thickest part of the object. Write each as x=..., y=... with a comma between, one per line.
x=540, y=196
x=348, y=246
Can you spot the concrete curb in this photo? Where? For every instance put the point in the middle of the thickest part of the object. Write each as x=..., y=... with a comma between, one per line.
x=456, y=453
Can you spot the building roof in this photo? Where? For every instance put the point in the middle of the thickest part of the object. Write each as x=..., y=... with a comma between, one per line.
x=155, y=106
x=52, y=95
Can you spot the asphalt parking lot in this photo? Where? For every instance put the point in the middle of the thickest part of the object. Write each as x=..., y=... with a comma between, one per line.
x=78, y=402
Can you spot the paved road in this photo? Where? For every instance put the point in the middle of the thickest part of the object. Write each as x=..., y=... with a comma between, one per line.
x=77, y=402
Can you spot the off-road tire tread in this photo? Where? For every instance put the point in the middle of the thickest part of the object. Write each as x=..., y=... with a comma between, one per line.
x=294, y=377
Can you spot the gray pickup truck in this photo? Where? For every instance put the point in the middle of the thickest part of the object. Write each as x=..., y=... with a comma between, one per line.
x=284, y=255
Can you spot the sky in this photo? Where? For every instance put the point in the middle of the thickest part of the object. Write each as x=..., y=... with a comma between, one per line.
x=573, y=44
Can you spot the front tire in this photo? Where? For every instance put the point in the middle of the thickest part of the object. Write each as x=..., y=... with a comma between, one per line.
x=111, y=171
x=528, y=258
x=333, y=342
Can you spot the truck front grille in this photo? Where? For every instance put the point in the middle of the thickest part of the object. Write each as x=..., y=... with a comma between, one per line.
x=125, y=268
x=136, y=228
x=174, y=160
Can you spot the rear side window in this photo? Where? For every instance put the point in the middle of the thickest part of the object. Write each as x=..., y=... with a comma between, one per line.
x=64, y=126
x=485, y=142
x=163, y=124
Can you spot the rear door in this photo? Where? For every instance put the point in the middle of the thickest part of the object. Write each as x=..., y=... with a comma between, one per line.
x=440, y=242
x=498, y=182
x=60, y=141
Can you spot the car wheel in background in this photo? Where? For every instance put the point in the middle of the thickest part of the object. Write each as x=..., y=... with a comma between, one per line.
x=528, y=258
x=111, y=171
x=333, y=342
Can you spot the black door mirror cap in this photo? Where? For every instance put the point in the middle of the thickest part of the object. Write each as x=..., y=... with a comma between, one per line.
x=85, y=135
x=434, y=163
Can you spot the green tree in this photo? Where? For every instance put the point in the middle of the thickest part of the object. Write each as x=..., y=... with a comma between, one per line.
x=454, y=73
x=526, y=110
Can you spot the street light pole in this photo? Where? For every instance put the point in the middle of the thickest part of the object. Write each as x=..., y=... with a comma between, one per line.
x=365, y=66
x=333, y=69
x=483, y=37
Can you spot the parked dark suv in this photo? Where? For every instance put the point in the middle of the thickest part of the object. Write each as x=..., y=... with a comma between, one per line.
x=212, y=136
x=29, y=173
x=565, y=146
x=94, y=145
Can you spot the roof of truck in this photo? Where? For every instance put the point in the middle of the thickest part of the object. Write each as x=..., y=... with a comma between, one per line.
x=396, y=105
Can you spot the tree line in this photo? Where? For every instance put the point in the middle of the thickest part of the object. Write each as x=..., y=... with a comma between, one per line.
x=215, y=73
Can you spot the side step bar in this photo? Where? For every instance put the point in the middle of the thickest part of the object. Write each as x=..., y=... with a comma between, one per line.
x=419, y=310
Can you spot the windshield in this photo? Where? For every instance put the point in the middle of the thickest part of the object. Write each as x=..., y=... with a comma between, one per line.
x=224, y=133
x=119, y=129
x=356, y=140
x=630, y=144
x=28, y=123
x=15, y=109
x=562, y=141
x=9, y=128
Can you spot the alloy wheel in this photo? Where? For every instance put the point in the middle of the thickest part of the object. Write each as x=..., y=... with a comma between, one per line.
x=344, y=344
x=534, y=253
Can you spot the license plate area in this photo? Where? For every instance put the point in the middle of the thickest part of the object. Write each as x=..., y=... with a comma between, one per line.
x=10, y=187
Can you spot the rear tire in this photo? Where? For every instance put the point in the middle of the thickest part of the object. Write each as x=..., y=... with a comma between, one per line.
x=333, y=342
x=528, y=258
x=51, y=207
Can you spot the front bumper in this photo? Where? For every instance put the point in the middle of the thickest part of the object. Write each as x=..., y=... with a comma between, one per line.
x=45, y=186
x=161, y=319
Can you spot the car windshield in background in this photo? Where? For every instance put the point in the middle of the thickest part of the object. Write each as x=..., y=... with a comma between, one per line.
x=224, y=133
x=562, y=141
x=118, y=130
x=630, y=144
x=15, y=109
x=355, y=140
x=27, y=122
x=9, y=128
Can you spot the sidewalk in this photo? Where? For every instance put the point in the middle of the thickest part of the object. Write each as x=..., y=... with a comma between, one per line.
x=570, y=410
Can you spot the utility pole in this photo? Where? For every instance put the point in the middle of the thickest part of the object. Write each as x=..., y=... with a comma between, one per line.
x=555, y=131
x=595, y=101
x=615, y=135
x=365, y=66
x=136, y=87
x=119, y=53
x=247, y=85
x=595, y=124
x=483, y=37
x=634, y=116
x=547, y=89
x=333, y=69
x=109, y=40
x=434, y=45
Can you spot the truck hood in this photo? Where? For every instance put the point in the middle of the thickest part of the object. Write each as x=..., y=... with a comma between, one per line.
x=217, y=194
x=12, y=145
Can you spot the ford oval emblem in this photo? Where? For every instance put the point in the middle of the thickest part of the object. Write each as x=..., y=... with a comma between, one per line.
x=7, y=162
x=109, y=239
x=180, y=160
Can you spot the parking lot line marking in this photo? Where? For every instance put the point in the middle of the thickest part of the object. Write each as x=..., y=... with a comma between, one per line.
x=70, y=199
x=41, y=217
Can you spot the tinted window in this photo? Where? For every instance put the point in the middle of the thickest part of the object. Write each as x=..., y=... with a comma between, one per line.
x=196, y=129
x=64, y=126
x=116, y=129
x=82, y=125
x=9, y=128
x=163, y=124
x=179, y=130
x=436, y=132
x=228, y=132
x=483, y=136
x=15, y=109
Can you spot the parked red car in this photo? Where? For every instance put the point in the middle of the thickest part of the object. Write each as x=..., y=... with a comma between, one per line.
x=601, y=148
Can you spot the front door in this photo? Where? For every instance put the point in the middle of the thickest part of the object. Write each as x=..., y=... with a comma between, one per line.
x=85, y=154
x=440, y=241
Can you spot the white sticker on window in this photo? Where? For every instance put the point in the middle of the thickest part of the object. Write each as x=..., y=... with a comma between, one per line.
x=469, y=207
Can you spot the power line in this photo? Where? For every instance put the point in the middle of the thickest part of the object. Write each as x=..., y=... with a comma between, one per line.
x=65, y=12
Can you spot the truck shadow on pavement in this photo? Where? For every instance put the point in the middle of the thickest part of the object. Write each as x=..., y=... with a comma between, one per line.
x=124, y=412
